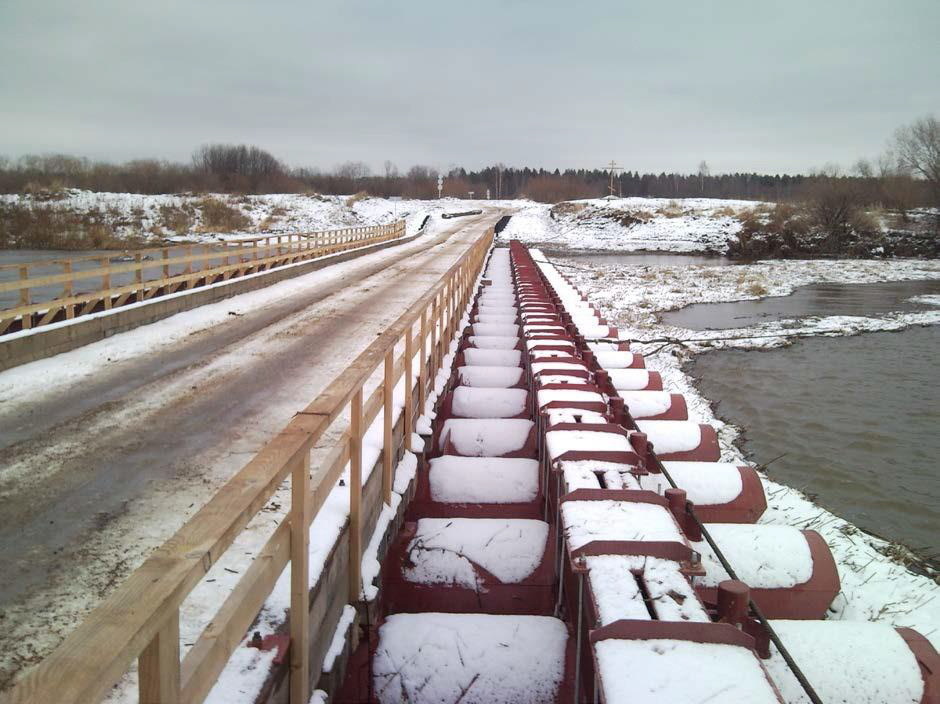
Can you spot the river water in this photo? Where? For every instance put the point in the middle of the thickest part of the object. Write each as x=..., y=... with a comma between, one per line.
x=600, y=259
x=856, y=419
x=822, y=299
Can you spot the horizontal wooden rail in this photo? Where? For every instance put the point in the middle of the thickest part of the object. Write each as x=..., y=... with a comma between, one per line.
x=235, y=258
x=139, y=619
x=146, y=251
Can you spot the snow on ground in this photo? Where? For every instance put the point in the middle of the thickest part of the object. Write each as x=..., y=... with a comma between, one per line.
x=630, y=224
x=134, y=214
x=634, y=295
x=876, y=585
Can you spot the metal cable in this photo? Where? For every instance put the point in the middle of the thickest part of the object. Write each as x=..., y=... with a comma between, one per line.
x=791, y=663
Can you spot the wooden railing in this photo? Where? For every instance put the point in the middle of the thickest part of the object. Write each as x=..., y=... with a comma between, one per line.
x=140, y=620
x=155, y=272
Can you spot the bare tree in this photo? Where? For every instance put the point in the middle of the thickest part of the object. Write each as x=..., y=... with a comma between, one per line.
x=391, y=171
x=238, y=167
x=703, y=173
x=353, y=170
x=898, y=190
x=918, y=150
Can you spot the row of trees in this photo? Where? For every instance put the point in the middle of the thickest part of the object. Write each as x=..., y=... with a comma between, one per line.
x=907, y=175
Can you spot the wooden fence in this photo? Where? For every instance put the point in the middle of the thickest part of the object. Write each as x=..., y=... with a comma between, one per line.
x=157, y=272
x=140, y=620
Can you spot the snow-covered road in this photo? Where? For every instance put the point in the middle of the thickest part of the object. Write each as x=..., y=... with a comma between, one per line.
x=105, y=451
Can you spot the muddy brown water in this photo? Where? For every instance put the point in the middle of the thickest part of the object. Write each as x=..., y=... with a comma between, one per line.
x=856, y=420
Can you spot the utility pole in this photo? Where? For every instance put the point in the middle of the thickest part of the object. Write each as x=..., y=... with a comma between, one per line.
x=613, y=168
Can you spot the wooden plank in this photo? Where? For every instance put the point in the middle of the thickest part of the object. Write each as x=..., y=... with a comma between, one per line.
x=388, y=388
x=423, y=369
x=207, y=658
x=355, y=496
x=23, y=285
x=300, y=582
x=188, y=279
x=158, y=672
x=105, y=292
x=50, y=314
x=146, y=251
x=409, y=424
x=96, y=654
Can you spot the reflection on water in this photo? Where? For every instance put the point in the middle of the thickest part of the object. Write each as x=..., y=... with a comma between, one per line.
x=820, y=299
x=856, y=419
x=591, y=258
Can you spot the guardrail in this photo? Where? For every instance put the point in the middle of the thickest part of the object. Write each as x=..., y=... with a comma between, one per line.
x=116, y=280
x=140, y=620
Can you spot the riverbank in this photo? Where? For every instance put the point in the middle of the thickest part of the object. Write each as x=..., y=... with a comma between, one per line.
x=881, y=580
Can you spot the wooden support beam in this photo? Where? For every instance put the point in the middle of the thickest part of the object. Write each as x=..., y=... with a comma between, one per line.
x=409, y=424
x=68, y=290
x=300, y=583
x=158, y=667
x=423, y=368
x=355, y=496
x=388, y=390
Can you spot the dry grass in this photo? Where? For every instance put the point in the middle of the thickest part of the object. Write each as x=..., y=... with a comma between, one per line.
x=45, y=192
x=221, y=217
x=356, y=197
x=672, y=209
x=756, y=288
x=178, y=219
x=49, y=227
x=566, y=208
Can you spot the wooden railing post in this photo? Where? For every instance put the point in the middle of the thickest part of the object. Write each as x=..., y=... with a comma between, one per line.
x=158, y=667
x=388, y=391
x=355, y=496
x=300, y=582
x=24, y=297
x=68, y=289
x=189, y=266
x=440, y=327
x=432, y=372
x=409, y=424
x=106, y=283
x=139, y=276
x=423, y=369
x=166, y=262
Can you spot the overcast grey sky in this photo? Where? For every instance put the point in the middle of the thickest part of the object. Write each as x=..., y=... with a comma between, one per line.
x=744, y=84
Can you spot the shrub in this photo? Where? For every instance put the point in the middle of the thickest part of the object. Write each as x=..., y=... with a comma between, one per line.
x=178, y=219
x=221, y=217
x=55, y=190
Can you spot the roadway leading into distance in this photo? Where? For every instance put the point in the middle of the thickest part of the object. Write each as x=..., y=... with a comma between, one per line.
x=95, y=474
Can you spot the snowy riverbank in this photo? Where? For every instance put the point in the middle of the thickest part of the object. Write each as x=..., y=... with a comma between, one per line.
x=876, y=584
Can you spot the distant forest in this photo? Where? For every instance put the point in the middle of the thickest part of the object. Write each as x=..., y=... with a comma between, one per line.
x=250, y=170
